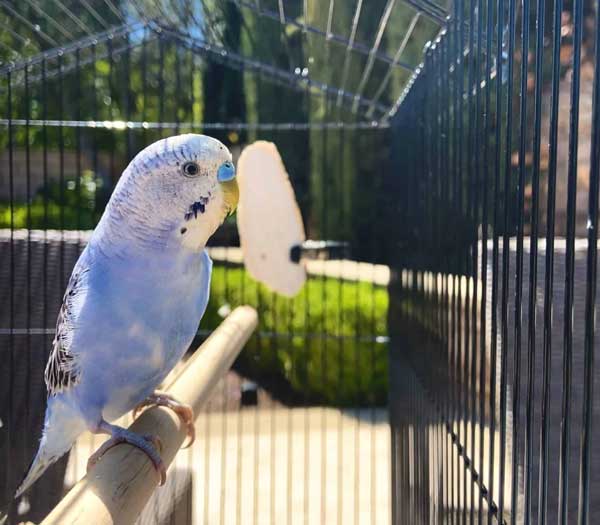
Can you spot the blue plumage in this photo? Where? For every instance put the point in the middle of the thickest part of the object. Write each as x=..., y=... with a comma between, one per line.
x=136, y=295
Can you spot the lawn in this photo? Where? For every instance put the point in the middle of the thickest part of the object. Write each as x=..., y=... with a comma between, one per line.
x=320, y=346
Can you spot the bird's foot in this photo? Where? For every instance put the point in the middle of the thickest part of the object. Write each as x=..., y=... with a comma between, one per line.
x=151, y=445
x=184, y=411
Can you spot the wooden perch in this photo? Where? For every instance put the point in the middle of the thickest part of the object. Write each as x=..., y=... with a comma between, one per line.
x=118, y=487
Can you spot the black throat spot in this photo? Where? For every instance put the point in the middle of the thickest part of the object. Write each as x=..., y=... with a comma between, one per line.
x=198, y=206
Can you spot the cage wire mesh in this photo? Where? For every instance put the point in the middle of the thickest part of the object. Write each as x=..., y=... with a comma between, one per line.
x=462, y=173
x=299, y=427
x=498, y=283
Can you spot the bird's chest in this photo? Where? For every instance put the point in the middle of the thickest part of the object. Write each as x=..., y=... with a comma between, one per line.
x=143, y=330
x=163, y=320
x=148, y=319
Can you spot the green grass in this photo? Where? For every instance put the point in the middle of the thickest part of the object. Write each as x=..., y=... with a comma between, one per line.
x=318, y=346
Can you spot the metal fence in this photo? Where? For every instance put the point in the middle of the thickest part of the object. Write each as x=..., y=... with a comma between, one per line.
x=492, y=317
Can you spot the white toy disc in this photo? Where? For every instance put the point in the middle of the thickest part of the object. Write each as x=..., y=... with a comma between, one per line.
x=269, y=220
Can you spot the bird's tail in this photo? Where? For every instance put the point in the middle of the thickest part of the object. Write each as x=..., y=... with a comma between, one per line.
x=61, y=429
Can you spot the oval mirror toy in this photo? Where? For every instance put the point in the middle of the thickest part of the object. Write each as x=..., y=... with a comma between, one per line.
x=269, y=220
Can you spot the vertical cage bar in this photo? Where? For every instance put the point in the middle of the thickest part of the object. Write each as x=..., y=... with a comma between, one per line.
x=437, y=379
x=161, y=81
x=61, y=172
x=93, y=133
x=495, y=250
x=10, y=433
x=516, y=383
x=77, y=102
x=308, y=105
x=478, y=350
x=506, y=254
x=28, y=346
x=144, y=67
x=549, y=266
x=425, y=312
x=45, y=185
x=446, y=193
x=450, y=81
x=470, y=260
x=565, y=437
x=461, y=357
x=341, y=346
x=429, y=447
x=533, y=262
x=462, y=305
x=127, y=98
x=456, y=59
x=178, y=91
x=109, y=46
x=323, y=328
x=484, y=252
x=418, y=168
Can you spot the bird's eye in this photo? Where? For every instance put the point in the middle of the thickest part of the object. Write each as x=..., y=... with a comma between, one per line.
x=190, y=169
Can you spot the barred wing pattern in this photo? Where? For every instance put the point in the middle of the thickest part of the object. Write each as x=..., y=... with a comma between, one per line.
x=62, y=370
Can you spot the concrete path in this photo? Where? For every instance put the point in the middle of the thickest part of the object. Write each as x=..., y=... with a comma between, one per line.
x=274, y=466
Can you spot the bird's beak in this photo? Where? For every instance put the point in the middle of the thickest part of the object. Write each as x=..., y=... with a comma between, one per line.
x=226, y=172
x=226, y=176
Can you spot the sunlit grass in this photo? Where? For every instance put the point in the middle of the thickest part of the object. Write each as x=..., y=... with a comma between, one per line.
x=321, y=343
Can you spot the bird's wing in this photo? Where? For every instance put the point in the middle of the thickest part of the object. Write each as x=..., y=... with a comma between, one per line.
x=204, y=287
x=62, y=371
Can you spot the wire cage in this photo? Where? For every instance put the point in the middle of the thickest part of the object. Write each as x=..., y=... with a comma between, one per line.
x=299, y=426
x=502, y=207
x=441, y=371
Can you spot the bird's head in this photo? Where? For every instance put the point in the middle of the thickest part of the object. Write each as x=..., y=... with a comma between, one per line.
x=177, y=190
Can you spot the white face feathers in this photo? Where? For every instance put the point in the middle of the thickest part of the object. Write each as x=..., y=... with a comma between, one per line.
x=177, y=191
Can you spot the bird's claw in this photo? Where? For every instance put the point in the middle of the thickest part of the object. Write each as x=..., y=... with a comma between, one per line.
x=184, y=412
x=158, y=465
x=152, y=448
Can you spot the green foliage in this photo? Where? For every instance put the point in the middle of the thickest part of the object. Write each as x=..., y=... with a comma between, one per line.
x=319, y=344
x=70, y=205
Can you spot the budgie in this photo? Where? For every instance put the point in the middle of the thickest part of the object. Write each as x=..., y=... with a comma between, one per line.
x=136, y=296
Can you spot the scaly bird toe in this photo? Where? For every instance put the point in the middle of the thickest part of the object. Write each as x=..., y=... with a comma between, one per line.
x=150, y=445
x=184, y=411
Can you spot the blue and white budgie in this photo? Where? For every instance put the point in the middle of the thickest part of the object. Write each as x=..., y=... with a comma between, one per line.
x=136, y=296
